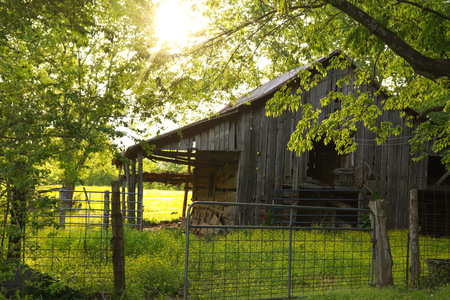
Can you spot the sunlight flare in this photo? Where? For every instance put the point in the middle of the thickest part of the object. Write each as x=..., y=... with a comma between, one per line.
x=175, y=21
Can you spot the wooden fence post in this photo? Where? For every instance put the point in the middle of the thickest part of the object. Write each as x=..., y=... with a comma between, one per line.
x=414, y=237
x=382, y=251
x=131, y=202
x=124, y=198
x=140, y=191
x=117, y=242
x=106, y=210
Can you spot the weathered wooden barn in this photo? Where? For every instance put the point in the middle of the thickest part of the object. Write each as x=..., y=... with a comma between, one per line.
x=240, y=155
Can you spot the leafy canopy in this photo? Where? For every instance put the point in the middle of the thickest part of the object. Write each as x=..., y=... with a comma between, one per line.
x=401, y=44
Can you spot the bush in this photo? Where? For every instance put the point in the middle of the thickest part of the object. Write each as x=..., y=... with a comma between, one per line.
x=154, y=263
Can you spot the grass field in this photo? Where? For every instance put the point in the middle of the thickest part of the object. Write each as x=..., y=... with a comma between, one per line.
x=159, y=205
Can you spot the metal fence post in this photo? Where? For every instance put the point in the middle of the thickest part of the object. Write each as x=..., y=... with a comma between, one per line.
x=291, y=221
x=186, y=255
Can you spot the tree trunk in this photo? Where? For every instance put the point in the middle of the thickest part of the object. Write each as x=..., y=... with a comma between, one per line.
x=17, y=223
x=68, y=188
x=382, y=251
x=414, y=238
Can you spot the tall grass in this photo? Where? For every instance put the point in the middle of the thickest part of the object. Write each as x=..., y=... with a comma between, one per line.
x=255, y=263
x=232, y=264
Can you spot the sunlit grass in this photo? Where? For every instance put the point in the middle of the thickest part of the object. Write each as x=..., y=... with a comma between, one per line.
x=158, y=205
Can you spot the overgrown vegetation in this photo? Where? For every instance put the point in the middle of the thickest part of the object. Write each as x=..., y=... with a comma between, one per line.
x=155, y=260
x=79, y=257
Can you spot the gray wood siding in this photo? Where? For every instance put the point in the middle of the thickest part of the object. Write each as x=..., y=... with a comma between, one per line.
x=265, y=163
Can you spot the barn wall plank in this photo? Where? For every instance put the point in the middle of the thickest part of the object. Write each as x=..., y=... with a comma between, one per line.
x=279, y=152
x=204, y=141
x=222, y=136
x=211, y=137
x=226, y=136
x=270, y=161
x=232, y=136
x=253, y=194
x=239, y=133
x=287, y=174
x=262, y=154
x=198, y=139
x=244, y=161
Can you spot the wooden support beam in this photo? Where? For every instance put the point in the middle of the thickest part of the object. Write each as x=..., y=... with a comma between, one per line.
x=131, y=199
x=140, y=190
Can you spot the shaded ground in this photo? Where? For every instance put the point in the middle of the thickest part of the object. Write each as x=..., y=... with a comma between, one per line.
x=162, y=225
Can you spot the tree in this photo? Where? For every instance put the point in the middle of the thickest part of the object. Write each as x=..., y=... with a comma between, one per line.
x=67, y=72
x=401, y=44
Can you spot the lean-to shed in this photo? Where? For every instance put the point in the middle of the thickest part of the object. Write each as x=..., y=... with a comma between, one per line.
x=241, y=155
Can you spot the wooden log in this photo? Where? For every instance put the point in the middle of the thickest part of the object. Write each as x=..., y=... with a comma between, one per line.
x=414, y=269
x=381, y=248
x=117, y=241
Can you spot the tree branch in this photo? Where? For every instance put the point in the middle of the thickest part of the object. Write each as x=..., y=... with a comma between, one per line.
x=425, y=9
x=424, y=114
x=270, y=13
x=432, y=68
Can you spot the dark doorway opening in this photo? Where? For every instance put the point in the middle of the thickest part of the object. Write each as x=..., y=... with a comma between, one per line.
x=437, y=174
x=323, y=159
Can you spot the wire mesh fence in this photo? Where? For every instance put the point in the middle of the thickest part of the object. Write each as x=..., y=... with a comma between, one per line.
x=434, y=241
x=265, y=262
x=72, y=243
x=434, y=222
x=236, y=262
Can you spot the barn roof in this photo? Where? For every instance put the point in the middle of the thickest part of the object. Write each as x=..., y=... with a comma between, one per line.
x=257, y=94
x=275, y=84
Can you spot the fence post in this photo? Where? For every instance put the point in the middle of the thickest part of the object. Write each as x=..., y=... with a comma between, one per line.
x=140, y=191
x=414, y=237
x=124, y=199
x=106, y=210
x=382, y=251
x=62, y=208
x=131, y=199
x=117, y=243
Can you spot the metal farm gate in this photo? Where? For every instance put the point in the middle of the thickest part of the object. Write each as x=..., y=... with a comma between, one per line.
x=276, y=260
